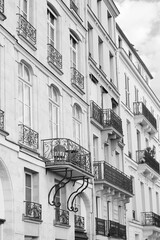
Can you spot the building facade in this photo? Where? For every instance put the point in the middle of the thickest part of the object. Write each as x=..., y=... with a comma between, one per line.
x=79, y=125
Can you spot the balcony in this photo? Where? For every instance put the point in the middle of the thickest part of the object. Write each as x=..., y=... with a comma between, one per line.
x=77, y=79
x=2, y=16
x=62, y=153
x=61, y=217
x=73, y=6
x=108, y=119
x=151, y=225
x=33, y=211
x=144, y=117
x=110, y=228
x=26, y=30
x=28, y=137
x=54, y=58
x=147, y=165
x=113, y=178
x=79, y=222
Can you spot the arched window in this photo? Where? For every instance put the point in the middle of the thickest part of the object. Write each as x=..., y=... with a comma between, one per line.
x=53, y=111
x=77, y=123
x=24, y=94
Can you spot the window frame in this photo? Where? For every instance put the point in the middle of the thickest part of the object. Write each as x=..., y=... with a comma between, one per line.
x=77, y=122
x=73, y=50
x=51, y=41
x=31, y=188
x=127, y=91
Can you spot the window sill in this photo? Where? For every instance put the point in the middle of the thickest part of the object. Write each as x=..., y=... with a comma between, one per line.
x=59, y=71
x=78, y=89
x=3, y=133
x=61, y=225
x=31, y=220
x=2, y=16
x=27, y=42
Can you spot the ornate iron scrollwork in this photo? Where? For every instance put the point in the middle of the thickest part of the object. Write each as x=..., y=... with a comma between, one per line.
x=75, y=194
x=59, y=185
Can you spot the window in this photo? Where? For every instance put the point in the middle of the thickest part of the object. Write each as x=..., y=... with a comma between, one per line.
x=100, y=52
x=150, y=199
x=138, y=140
x=99, y=9
x=26, y=9
x=95, y=148
x=129, y=137
x=157, y=202
x=111, y=62
x=24, y=95
x=136, y=91
x=73, y=51
x=53, y=111
x=28, y=187
x=77, y=123
x=143, y=197
x=98, y=207
x=134, y=204
x=51, y=27
x=127, y=93
x=109, y=21
x=90, y=39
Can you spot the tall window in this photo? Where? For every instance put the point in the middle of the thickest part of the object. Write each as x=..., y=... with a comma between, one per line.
x=134, y=204
x=24, y=95
x=109, y=20
x=53, y=111
x=77, y=123
x=60, y=196
x=127, y=92
x=73, y=51
x=95, y=148
x=138, y=140
x=129, y=137
x=150, y=199
x=100, y=52
x=136, y=94
x=143, y=197
x=99, y=9
x=51, y=27
x=26, y=8
x=111, y=62
x=157, y=202
x=28, y=187
x=90, y=39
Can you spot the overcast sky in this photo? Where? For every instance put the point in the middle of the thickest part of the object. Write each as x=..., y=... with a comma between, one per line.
x=140, y=21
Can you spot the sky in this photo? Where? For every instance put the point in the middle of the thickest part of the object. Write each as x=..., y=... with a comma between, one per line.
x=140, y=21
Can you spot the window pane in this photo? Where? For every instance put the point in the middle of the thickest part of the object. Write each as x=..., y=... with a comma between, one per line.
x=50, y=111
x=28, y=194
x=26, y=74
x=27, y=116
x=28, y=180
x=52, y=35
x=20, y=111
x=27, y=95
x=20, y=91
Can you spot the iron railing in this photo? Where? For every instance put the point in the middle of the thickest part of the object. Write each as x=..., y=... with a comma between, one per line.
x=140, y=109
x=79, y=221
x=62, y=216
x=1, y=120
x=106, y=172
x=26, y=30
x=33, y=210
x=2, y=6
x=77, y=78
x=150, y=219
x=28, y=137
x=73, y=6
x=63, y=150
x=110, y=228
x=54, y=57
x=106, y=117
x=145, y=157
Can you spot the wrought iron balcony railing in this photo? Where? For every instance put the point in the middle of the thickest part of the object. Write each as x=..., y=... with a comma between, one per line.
x=33, y=210
x=1, y=6
x=140, y=109
x=150, y=219
x=144, y=157
x=106, y=172
x=26, y=30
x=1, y=120
x=64, y=151
x=73, y=6
x=28, y=137
x=77, y=78
x=79, y=222
x=106, y=117
x=54, y=57
x=62, y=216
x=110, y=228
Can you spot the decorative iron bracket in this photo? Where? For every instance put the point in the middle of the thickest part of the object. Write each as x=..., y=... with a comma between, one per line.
x=60, y=185
x=74, y=194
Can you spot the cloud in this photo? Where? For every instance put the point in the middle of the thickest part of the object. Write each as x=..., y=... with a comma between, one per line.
x=140, y=21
